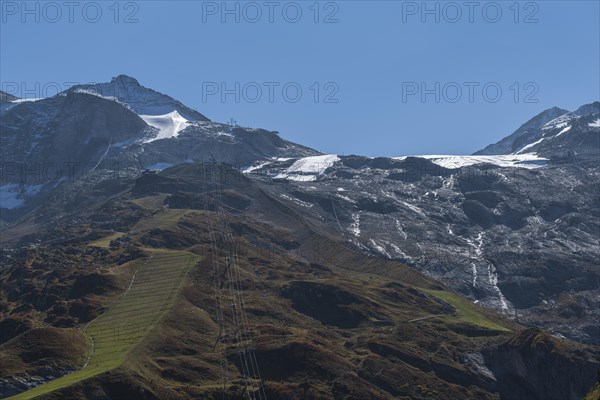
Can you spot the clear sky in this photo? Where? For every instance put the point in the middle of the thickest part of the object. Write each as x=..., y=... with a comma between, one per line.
x=378, y=65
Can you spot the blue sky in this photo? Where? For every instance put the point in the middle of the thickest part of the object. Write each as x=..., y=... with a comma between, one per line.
x=362, y=66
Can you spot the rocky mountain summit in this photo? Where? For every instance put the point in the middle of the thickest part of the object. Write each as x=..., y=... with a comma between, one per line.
x=141, y=100
x=555, y=133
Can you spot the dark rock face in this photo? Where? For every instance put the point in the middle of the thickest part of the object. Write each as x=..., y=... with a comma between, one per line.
x=12, y=327
x=74, y=129
x=521, y=366
x=478, y=214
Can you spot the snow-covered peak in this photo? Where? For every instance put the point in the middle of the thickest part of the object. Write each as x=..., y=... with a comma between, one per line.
x=140, y=99
x=565, y=119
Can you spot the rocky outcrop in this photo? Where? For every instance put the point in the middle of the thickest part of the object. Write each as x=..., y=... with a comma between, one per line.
x=536, y=366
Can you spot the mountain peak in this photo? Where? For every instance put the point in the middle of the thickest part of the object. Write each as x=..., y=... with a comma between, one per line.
x=554, y=110
x=125, y=79
x=526, y=133
x=546, y=134
x=586, y=109
x=140, y=99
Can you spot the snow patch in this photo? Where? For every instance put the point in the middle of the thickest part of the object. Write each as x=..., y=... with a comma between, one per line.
x=474, y=267
x=94, y=93
x=168, y=125
x=256, y=167
x=18, y=101
x=123, y=144
x=380, y=249
x=529, y=160
x=9, y=196
x=400, y=230
x=308, y=168
x=346, y=198
x=559, y=122
x=355, y=226
x=297, y=178
x=297, y=201
x=313, y=165
x=5, y=106
x=493, y=280
x=595, y=124
x=491, y=269
x=13, y=195
x=159, y=166
x=448, y=183
x=413, y=208
x=31, y=190
x=399, y=252
x=568, y=128
x=530, y=145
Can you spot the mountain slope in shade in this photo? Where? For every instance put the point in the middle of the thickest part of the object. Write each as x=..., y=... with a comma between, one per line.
x=63, y=128
x=8, y=101
x=6, y=97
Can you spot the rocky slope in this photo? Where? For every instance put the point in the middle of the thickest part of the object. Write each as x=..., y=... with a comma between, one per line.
x=522, y=239
x=324, y=320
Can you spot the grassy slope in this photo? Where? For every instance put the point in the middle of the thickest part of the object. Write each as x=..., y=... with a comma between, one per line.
x=132, y=317
x=105, y=241
x=467, y=312
x=150, y=202
x=56, y=348
x=116, y=332
x=594, y=394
